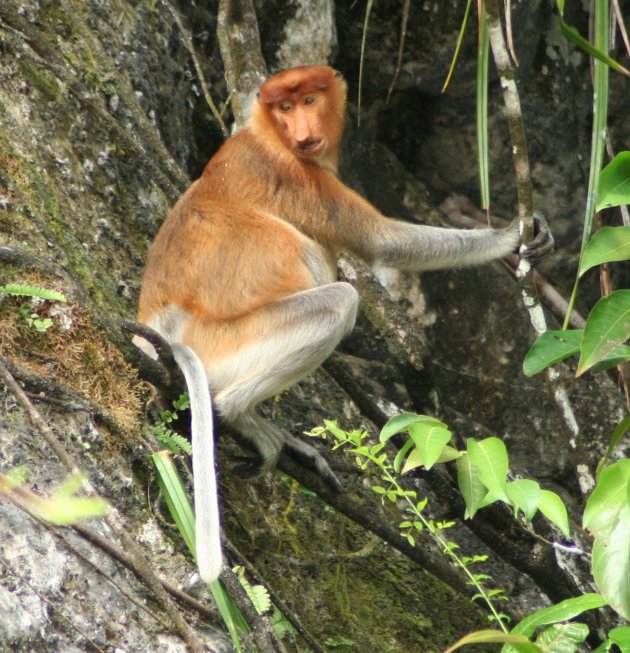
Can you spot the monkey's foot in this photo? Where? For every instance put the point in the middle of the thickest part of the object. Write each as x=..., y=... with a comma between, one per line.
x=309, y=456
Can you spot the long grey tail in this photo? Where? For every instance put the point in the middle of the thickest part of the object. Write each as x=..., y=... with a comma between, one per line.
x=207, y=526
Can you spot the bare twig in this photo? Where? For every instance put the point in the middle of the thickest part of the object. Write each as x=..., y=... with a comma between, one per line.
x=401, y=45
x=188, y=44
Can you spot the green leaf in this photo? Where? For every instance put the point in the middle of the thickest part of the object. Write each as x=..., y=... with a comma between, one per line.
x=518, y=642
x=430, y=440
x=414, y=460
x=524, y=495
x=401, y=423
x=562, y=611
x=175, y=497
x=614, y=183
x=620, y=430
x=33, y=291
x=611, y=563
x=621, y=637
x=552, y=506
x=400, y=456
x=448, y=454
x=606, y=245
x=65, y=510
x=572, y=34
x=608, y=499
x=562, y=638
x=551, y=347
x=607, y=327
x=490, y=458
x=470, y=485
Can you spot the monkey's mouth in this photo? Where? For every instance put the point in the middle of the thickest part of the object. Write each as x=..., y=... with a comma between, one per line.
x=311, y=147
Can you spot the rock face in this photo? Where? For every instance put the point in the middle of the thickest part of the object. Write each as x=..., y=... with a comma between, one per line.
x=103, y=122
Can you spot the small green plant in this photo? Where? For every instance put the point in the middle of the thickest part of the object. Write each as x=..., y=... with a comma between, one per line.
x=65, y=506
x=33, y=319
x=482, y=473
x=165, y=435
x=601, y=344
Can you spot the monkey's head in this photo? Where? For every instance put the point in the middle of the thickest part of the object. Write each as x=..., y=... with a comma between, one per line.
x=305, y=106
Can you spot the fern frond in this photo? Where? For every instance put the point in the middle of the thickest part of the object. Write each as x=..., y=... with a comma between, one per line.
x=20, y=290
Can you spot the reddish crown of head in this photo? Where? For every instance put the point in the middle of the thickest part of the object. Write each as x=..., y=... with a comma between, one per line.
x=291, y=84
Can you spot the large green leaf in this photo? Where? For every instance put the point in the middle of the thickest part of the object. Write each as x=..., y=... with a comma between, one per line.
x=614, y=182
x=607, y=327
x=524, y=495
x=430, y=440
x=551, y=347
x=562, y=611
x=611, y=563
x=490, y=458
x=552, y=506
x=562, y=638
x=621, y=637
x=470, y=485
x=401, y=423
x=607, y=516
x=606, y=245
x=607, y=499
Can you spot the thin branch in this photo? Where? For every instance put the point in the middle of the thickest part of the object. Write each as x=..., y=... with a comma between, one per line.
x=188, y=44
x=525, y=199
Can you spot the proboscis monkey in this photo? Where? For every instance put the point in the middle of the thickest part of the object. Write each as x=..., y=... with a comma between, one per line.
x=242, y=277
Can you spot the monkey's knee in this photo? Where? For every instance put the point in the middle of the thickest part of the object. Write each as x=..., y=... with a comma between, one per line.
x=347, y=305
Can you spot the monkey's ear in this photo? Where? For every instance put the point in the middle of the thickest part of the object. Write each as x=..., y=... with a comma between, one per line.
x=337, y=73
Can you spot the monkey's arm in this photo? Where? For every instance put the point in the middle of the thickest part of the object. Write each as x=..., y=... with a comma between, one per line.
x=360, y=228
x=418, y=247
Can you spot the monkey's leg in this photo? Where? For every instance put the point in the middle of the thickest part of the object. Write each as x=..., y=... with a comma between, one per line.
x=295, y=335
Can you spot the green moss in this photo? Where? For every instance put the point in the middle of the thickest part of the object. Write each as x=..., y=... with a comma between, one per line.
x=41, y=79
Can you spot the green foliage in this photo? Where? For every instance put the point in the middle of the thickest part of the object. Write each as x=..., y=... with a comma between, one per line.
x=601, y=344
x=424, y=433
x=173, y=441
x=614, y=182
x=32, y=318
x=32, y=291
x=182, y=513
x=258, y=594
x=483, y=478
x=64, y=507
x=607, y=517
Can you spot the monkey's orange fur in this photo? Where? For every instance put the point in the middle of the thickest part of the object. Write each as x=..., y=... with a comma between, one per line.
x=235, y=227
x=241, y=278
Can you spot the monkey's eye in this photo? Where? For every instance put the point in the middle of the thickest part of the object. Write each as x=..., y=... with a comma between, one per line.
x=309, y=99
x=284, y=107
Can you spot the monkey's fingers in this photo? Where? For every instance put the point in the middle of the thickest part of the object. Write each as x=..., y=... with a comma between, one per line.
x=542, y=244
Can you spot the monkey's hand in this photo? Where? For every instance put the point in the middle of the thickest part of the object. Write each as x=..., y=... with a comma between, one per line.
x=542, y=244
